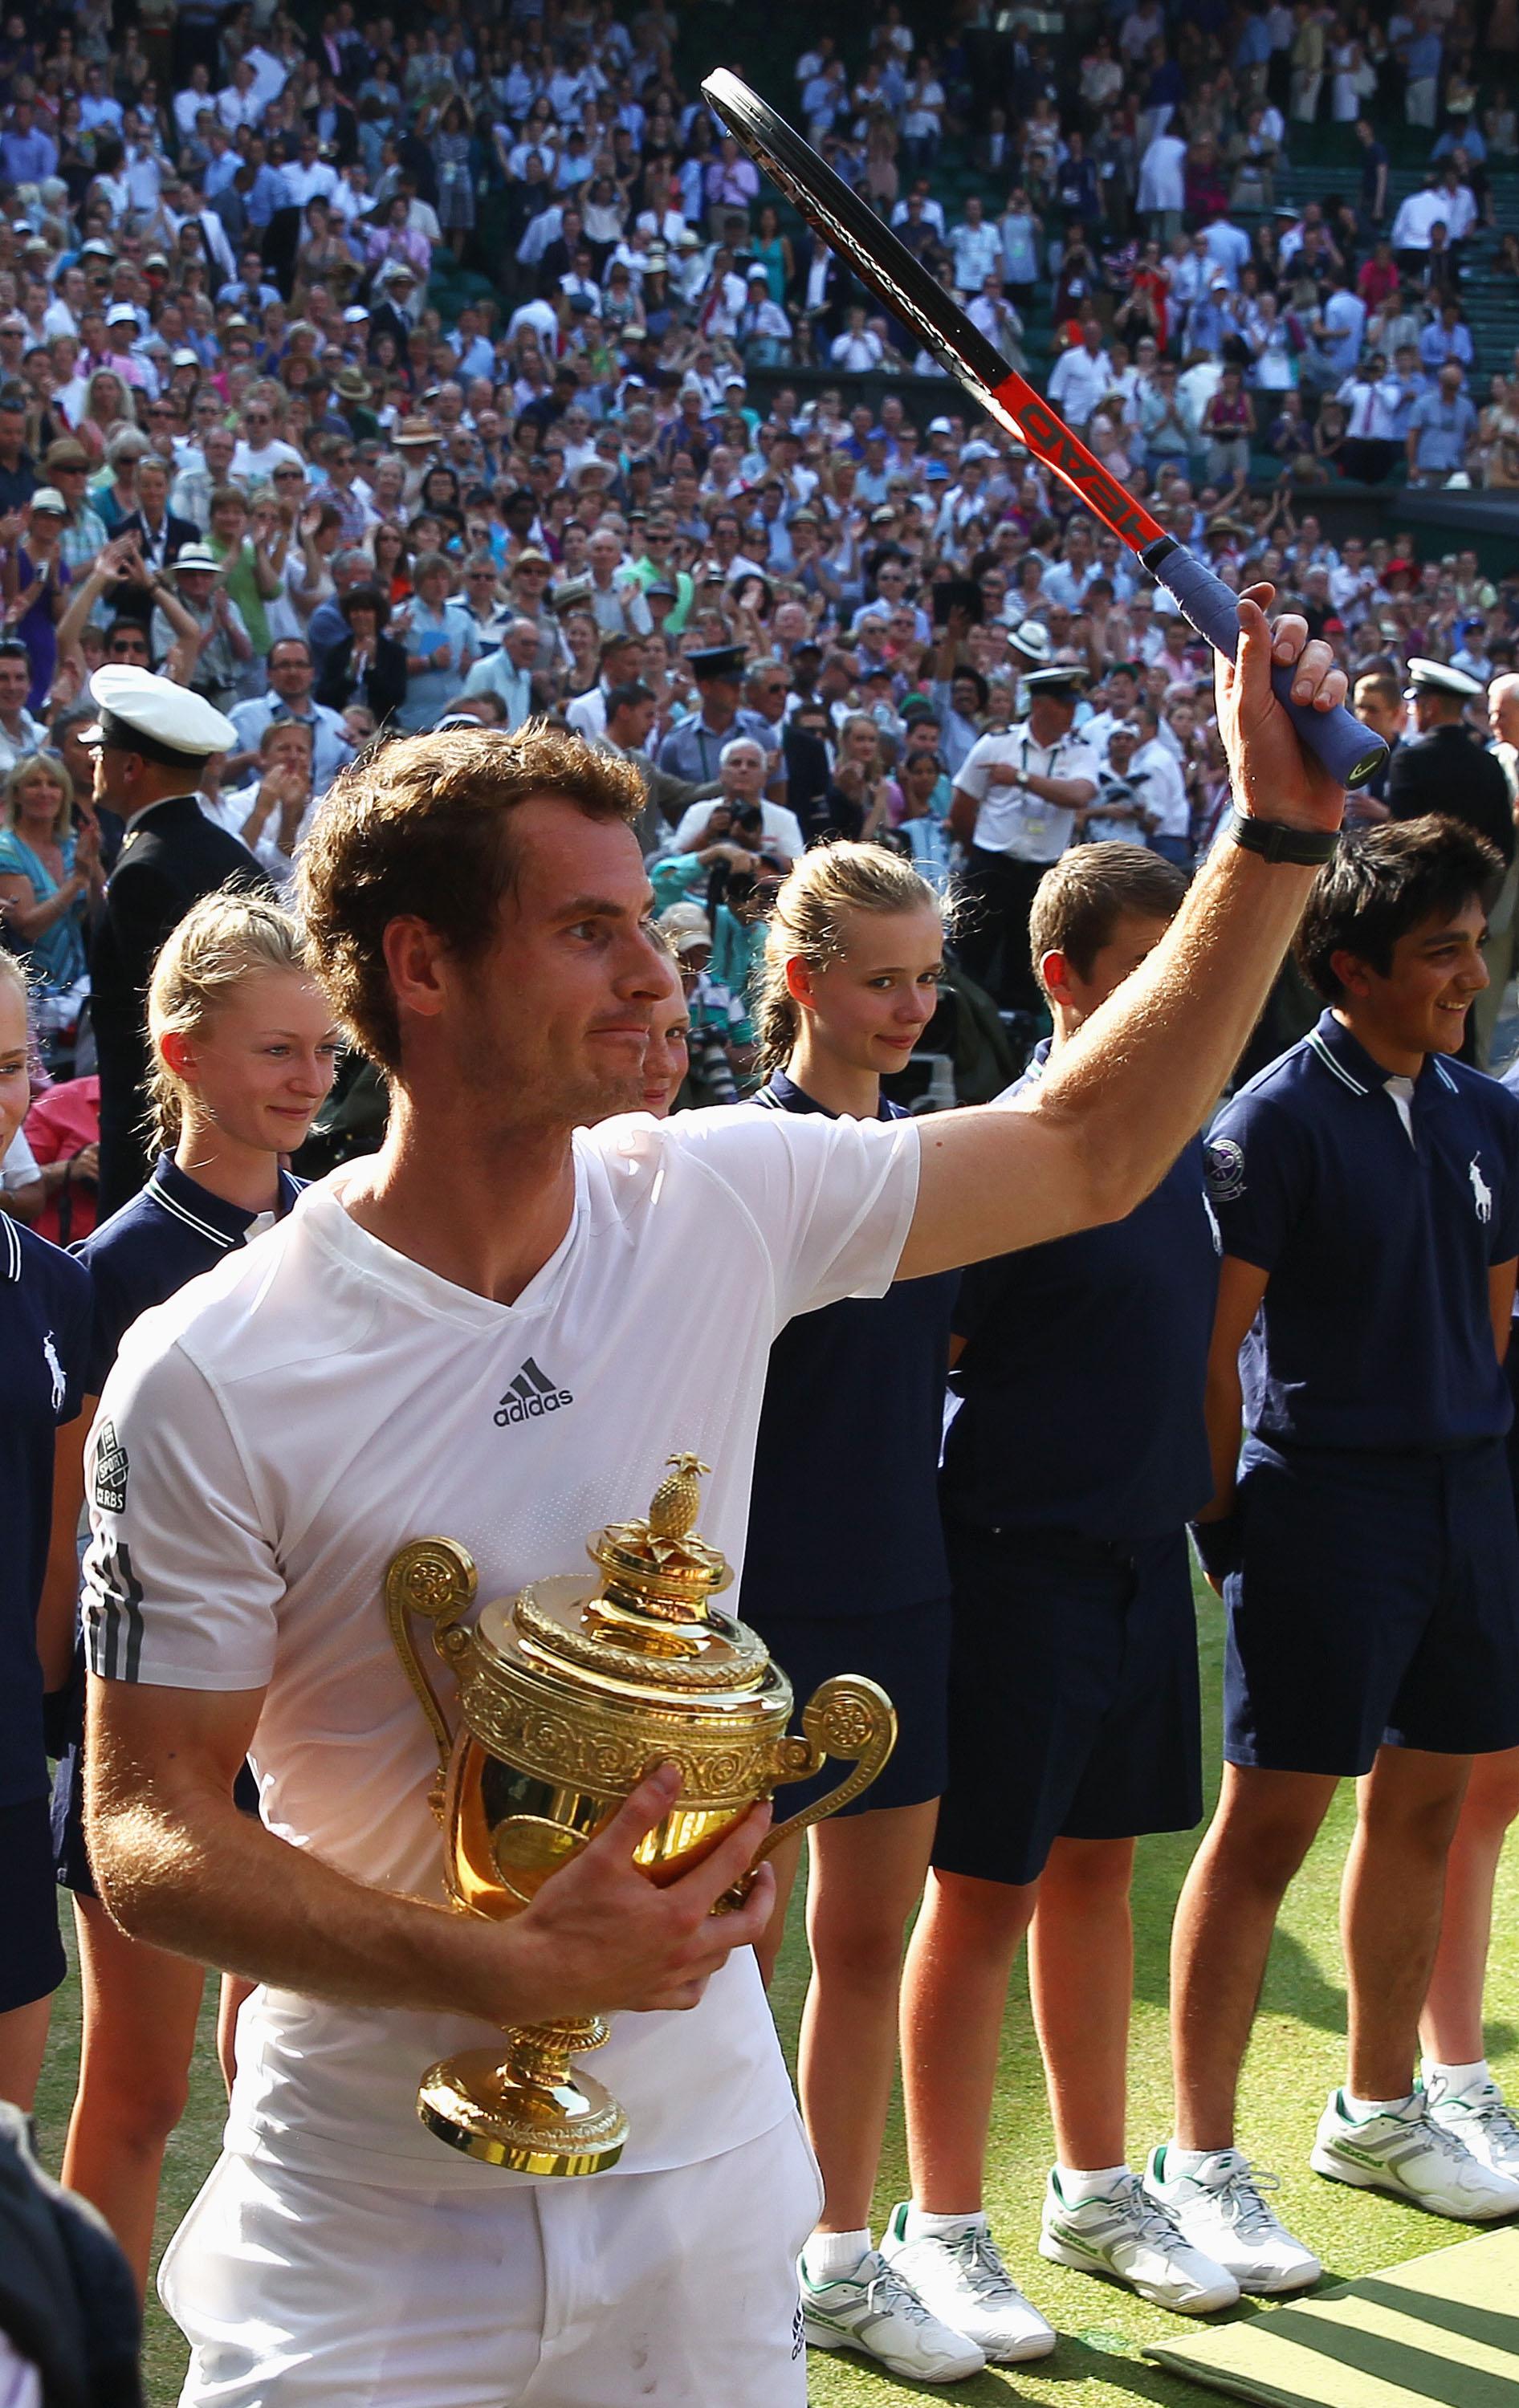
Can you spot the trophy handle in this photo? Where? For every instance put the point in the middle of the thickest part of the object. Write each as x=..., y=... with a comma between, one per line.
x=850, y=1717
x=435, y=1577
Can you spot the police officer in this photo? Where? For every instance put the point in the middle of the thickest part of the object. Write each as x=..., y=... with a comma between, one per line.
x=151, y=742
x=1446, y=767
x=1018, y=802
x=693, y=749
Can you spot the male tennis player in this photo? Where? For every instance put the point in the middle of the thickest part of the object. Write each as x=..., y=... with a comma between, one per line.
x=271, y=1437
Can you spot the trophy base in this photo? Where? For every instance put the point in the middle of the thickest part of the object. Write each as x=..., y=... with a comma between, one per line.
x=481, y=2106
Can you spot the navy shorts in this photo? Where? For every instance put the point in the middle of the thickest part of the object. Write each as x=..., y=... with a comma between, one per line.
x=1378, y=1604
x=31, y=1961
x=1073, y=1696
x=907, y=1651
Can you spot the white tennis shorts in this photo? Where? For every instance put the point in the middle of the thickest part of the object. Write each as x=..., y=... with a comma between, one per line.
x=592, y=2292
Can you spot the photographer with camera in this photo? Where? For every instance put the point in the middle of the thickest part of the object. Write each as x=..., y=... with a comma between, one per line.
x=741, y=769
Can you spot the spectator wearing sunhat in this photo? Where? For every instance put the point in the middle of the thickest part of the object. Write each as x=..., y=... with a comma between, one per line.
x=123, y=332
x=151, y=742
x=224, y=646
x=35, y=580
x=1446, y=767
x=352, y=393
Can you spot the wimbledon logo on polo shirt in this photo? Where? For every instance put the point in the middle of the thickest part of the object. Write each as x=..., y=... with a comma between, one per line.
x=1225, y=1169
x=531, y=1395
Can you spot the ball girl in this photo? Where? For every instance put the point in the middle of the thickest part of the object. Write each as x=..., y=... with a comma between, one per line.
x=44, y=1342
x=244, y=1048
x=845, y=1571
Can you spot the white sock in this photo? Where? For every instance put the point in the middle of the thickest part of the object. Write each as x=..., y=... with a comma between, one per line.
x=828, y=2256
x=1456, y=2081
x=1361, y=2110
x=1180, y=2161
x=1076, y=2188
x=921, y=2225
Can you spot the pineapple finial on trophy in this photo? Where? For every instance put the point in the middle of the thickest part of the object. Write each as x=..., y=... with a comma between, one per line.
x=676, y=1502
x=658, y=1567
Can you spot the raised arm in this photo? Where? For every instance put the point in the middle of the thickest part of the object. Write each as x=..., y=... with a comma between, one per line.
x=109, y=565
x=1120, y=1100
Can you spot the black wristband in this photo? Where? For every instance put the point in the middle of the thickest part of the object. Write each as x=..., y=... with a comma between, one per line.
x=1218, y=1546
x=1306, y=847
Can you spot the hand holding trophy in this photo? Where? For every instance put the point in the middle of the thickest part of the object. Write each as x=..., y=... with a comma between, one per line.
x=569, y=1697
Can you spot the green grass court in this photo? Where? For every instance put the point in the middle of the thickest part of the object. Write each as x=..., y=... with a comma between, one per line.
x=1296, y=2060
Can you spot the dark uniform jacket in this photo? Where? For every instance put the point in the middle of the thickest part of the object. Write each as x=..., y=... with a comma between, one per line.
x=172, y=857
x=1451, y=770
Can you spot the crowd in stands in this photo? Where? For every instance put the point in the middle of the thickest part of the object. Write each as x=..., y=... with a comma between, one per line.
x=359, y=371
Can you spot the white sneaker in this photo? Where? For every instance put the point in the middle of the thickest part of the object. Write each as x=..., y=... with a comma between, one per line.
x=875, y=2310
x=1219, y=2210
x=1407, y=2153
x=965, y=2283
x=1132, y=2239
x=1481, y=2121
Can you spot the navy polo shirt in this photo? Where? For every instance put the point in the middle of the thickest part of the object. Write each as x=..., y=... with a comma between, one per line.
x=44, y=1341
x=1082, y=1382
x=1375, y=1331
x=170, y=1231
x=844, y=1517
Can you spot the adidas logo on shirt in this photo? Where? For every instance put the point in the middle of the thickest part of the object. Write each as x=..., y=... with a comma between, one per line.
x=529, y=1397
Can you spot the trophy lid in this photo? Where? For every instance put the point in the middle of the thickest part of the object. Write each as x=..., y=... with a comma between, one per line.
x=649, y=1621
x=658, y=1566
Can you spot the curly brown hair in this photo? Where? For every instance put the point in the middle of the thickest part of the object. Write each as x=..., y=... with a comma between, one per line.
x=421, y=829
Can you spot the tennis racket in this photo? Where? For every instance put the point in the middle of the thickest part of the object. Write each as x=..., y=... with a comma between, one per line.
x=1350, y=753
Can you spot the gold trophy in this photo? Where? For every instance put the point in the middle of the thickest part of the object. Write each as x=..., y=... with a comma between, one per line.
x=568, y=1696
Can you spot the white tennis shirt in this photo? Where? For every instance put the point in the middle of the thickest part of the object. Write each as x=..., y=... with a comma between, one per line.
x=271, y=1436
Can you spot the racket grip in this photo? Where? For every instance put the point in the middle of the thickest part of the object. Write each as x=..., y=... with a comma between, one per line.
x=1350, y=753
